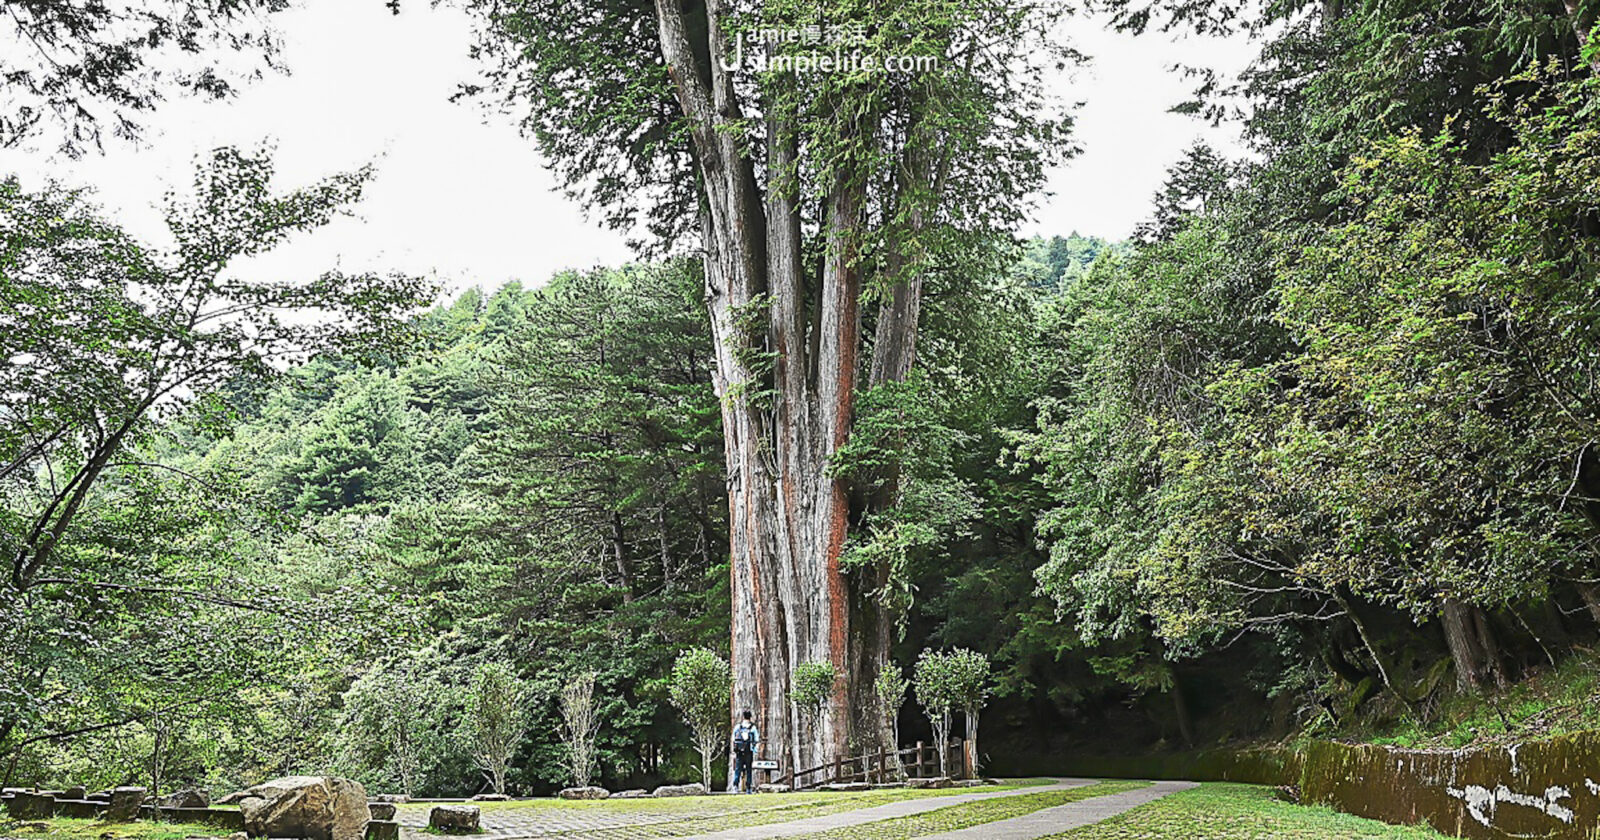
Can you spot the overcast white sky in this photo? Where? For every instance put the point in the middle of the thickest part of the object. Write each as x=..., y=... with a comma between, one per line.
x=466, y=199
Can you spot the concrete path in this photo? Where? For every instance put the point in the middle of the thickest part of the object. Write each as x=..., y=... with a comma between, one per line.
x=904, y=808
x=1048, y=821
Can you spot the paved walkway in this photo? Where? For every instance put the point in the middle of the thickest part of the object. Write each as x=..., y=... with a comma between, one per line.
x=1048, y=821
x=904, y=808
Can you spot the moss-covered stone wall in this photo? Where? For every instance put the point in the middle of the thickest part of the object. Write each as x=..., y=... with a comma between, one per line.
x=1548, y=788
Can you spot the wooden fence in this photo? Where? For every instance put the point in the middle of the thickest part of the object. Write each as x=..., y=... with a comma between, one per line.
x=883, y=767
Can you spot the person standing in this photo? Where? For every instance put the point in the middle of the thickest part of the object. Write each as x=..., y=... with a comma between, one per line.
x=746, y=737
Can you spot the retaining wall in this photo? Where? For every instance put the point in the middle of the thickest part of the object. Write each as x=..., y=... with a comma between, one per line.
x=1548, y=788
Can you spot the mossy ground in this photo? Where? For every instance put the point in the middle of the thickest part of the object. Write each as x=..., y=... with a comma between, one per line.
x=62, y=828
x=1555, y=700
x=1239, y=812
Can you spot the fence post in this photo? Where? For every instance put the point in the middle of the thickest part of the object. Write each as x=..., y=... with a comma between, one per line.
x=882, y=776
x=919, y=759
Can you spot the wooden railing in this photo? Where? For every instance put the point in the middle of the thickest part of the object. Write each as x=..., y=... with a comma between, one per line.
x=884, y=766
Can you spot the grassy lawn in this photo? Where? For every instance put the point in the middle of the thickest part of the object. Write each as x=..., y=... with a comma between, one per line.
x=971, y=813
x=61, y=828
x=1238, y=812
x=625, y=819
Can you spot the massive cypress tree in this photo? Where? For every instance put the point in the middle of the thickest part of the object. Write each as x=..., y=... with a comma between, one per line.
x=826, y=203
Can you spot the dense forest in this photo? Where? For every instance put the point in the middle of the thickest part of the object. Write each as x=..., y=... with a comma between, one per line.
x=1312, y=454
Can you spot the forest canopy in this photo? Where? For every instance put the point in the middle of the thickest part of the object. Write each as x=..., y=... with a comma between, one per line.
x=1312, y=452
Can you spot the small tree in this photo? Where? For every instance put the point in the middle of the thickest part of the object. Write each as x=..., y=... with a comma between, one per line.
x=935, y=683
x=579, y=725
x=496, y=721
x=812, y=685
x=702, y=688
x=888, y=695
x=969, y=685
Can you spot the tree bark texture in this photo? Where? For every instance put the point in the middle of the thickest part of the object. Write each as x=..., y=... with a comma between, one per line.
x=788, y=348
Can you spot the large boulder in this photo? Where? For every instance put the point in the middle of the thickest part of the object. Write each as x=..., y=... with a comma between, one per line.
x=694, y=789
x=312, y=807
x=589, y=792
x=381, y=810
x=191, y=798
x=125, y=802
x=454, y=819
x=383, y=830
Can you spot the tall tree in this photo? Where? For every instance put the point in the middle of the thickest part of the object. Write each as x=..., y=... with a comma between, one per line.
x=86, y=65
x=827, y=202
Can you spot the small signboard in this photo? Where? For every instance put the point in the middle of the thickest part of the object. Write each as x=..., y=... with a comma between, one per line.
x=764, y=764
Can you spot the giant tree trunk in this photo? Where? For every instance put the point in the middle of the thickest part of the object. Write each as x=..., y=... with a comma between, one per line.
x=787, y=356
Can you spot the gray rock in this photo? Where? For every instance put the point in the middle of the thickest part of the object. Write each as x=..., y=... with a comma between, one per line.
x=125, y=802
x=693, y=789
x=931, y=782
x=190, y=798
x=383, y=830
x=78, y=792
x=454, y=819
x=79, y=809
x=632, y=793
x=491, y=797
x=399, y=798
x=846, y=787
x=32, y=806
x=772, y=788
x=381, y=810
x=311, y=807
x=590, y=792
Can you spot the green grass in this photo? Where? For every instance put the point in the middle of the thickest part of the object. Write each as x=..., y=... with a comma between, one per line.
x=61, y=828
x=1549, y=702
x=687, y=815
x=711, y=805
x=1238, y=812
x=970, y=814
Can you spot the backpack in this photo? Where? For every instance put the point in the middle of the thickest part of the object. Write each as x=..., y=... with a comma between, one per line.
x=744, y=739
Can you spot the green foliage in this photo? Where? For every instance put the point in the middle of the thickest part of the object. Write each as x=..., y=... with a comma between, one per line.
x=137, y=599
x=85, y=68
x=578, y=726
x=395, y=732
x=811, y=685
x=889, y=690
x=701, y=687
x=495, y=720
